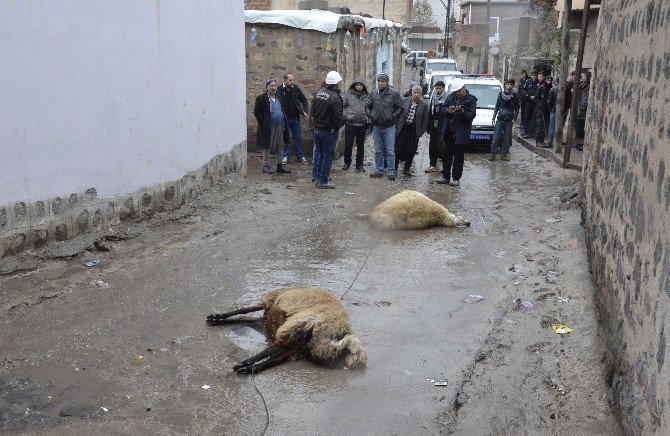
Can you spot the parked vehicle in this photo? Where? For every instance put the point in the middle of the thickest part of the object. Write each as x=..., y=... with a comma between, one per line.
x=420, y=56
x=434, y=65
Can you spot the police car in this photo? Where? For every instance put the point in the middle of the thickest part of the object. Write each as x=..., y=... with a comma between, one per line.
x=486, y=88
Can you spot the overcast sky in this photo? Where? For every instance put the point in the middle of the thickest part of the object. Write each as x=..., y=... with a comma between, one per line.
x=439, y=12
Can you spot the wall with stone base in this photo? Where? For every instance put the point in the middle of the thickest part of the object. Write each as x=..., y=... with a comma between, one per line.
x=627, y=206
x=31, y=225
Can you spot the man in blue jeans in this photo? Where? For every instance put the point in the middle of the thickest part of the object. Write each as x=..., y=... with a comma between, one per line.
x=295, y=104
x=327, y=118
x=383, y=110
x=504, y=115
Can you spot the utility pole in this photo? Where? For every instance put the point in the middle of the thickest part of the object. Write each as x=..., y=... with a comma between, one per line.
x=488, y=32
x=576, y=83
x=383, y=9
x=447, y=29
x=562, y=84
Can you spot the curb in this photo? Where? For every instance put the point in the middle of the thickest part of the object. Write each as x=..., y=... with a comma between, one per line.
x=545, y=152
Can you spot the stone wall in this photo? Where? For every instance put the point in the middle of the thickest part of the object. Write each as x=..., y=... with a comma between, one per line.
x=627, y=206
x=280, y=50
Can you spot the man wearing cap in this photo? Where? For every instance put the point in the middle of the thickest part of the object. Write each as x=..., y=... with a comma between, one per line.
x=271, y=126
x=326, y=120
x=410, y=127
x=384, y=110
x=434, y=126
x=356, y=122
x=460, y=109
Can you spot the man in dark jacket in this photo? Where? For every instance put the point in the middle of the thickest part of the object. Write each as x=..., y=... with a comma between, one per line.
x=327, y=118
x=541, y=110
x=521, y=93
x=295, y=104
x=504, y=115
x=384, y=110
x=269, y=113
x=460, y=108
x=410, y=127
x=529, y=106
x=356, y=122
x=434, y=126
x=582, y=106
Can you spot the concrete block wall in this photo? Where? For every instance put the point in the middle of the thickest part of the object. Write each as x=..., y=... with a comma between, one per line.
x=627, y=206
x=278, y=52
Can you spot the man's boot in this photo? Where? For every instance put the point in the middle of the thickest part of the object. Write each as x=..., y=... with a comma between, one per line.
x=282, y=170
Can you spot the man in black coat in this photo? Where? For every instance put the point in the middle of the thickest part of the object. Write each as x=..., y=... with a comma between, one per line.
x=295, y=105
x=529, y=106
x=434, y=125
x=269, y=113
x=541, y=109
x=460, y=108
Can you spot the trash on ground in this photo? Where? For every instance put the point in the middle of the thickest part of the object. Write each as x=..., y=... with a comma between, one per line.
x=527, y=304
x=564, y=300
x=440, y=383
x=561, y=329
x=518, y=304
x=473, y=299
x=349, y=193
x=138, y=360
x=552, y=220
x=104, y=409
x=551, y=277
x=100, y=283
x=206, y=387
x=92, y=262
x=571, y=244
x=555, y=384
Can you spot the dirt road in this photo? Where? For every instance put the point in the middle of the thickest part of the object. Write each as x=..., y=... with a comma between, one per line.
x=72, y=336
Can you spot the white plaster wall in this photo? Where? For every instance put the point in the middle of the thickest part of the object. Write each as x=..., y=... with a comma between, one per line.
x=116, y=95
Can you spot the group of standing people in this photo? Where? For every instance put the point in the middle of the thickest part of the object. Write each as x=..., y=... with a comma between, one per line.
x=538, y=97
x=397, y=124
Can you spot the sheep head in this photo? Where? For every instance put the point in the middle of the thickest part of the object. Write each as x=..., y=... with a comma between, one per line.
x=355, y=357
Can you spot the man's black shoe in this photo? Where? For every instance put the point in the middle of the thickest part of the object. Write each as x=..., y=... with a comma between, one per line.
x=346, y=167
x=360, y=169
x=443, y=182
x=282, y=170
x=376, y=175
x=391, y=177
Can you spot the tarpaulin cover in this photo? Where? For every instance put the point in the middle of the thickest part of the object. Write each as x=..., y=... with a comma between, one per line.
x=322, y=21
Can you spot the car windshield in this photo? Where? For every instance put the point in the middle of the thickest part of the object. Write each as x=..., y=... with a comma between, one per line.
x=487, y=95
x=440, y=66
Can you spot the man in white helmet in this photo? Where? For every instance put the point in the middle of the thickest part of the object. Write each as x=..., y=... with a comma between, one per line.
x=460, y=109
x=326, y=119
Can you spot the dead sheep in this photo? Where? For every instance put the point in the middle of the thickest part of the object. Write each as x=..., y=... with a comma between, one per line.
x=411, y=210
x=300, y=323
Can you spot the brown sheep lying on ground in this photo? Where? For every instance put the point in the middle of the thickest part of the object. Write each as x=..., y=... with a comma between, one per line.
x=411, y=210
x=300, y=323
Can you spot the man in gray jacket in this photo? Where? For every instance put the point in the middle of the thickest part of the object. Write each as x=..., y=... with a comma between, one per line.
x=356, y=122
x=410, y=127
x=384, y=111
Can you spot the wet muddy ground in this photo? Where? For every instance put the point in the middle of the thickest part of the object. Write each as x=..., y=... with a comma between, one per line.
x=72, y=336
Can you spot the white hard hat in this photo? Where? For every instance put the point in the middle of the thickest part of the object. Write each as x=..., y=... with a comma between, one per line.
x=333, y=78
x=456, y=84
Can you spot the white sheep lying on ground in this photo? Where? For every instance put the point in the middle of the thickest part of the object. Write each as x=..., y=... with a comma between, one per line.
x=300, y=323
x=411, y=210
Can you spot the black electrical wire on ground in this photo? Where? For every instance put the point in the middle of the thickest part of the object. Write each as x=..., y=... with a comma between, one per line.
x=267, y=412
x=362, y=266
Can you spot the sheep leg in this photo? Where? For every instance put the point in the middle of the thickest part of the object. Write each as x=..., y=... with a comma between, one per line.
x=220, y=318
x=265, y=364
x=269, y=351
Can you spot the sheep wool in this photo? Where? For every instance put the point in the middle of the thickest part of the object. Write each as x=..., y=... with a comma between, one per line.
x=411, y=210
x=300, y=323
